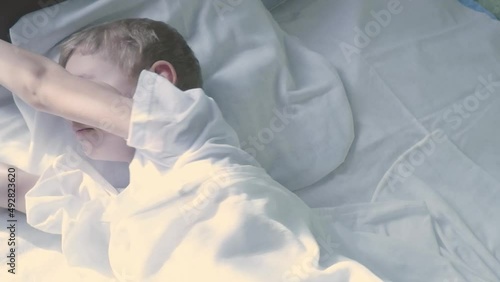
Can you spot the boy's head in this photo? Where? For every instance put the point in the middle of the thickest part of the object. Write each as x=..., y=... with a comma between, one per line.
x=115, y=53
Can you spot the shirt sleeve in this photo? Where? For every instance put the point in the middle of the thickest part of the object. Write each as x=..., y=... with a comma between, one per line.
x=170, y=126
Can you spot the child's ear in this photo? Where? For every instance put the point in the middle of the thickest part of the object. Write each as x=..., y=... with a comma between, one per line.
x=166, y=70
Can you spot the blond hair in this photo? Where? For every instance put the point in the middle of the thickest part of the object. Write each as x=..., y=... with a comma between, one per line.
x=135, y=45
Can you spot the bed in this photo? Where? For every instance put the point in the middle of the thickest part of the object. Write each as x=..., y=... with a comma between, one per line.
x=392, y=140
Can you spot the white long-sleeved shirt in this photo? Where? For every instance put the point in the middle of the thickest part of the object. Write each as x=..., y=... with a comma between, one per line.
x=198, y=208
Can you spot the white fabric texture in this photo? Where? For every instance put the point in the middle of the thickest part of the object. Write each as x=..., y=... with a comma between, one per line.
x=195, y=198
x=417, y=75
x=462, y=200
x=271, y=90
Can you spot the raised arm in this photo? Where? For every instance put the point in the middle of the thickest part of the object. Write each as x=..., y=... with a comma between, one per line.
x=48, y=87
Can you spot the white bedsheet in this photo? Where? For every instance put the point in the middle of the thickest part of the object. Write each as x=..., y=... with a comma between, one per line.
x=275, y=106
x=412, y=78
x=424, y=90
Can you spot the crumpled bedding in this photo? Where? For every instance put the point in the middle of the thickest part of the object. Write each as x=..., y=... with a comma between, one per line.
x=275, y=106
x=492, y=6
x=432, y=71
x=195, y=199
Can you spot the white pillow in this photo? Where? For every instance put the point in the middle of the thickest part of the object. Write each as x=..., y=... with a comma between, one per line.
x=286, y=103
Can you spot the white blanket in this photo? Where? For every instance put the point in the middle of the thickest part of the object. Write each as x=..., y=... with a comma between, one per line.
x=194, y=200
x=424, y=90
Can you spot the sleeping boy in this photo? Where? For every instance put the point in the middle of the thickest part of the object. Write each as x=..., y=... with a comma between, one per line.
x=132, y=91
